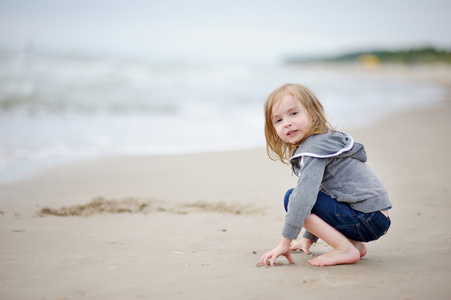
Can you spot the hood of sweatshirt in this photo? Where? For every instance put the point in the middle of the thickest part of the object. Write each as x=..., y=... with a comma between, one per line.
x=328, y=145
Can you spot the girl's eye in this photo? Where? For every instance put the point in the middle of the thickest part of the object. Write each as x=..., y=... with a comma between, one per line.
x=294, y=113
x=277, y=121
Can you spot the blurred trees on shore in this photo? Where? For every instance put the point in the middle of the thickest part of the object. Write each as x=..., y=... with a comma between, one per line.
x=424, y=55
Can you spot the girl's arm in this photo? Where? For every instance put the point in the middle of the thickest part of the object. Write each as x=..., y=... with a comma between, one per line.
x=304, y=195
x=310, y=236
x=300, y=206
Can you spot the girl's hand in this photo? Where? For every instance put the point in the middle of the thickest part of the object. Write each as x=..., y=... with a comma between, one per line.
x=304, y=245
x=282, y=249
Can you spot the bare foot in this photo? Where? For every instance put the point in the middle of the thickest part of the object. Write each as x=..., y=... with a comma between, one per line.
x=336, y=257
x=360, y=246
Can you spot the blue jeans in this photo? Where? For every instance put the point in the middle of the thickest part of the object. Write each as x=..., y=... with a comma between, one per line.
x=353, y=224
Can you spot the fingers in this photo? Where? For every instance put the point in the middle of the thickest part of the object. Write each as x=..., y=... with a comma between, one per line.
x=301, y=249
x=282, y=249
x=294, y=248
x=273, y=261
x=268, y=257
x=299, y=246
x=290, y=259
x=265, y=258
x=271, y=258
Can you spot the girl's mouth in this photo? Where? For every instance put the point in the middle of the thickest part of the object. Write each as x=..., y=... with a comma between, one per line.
x=292, y=132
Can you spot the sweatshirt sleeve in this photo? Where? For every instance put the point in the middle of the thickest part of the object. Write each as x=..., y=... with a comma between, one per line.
x=304, y=196
x=310, y=236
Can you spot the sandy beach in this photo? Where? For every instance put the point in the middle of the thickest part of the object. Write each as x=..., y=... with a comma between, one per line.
x=195, y=226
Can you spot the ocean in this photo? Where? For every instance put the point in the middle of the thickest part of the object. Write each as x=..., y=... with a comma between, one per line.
x=56, y=108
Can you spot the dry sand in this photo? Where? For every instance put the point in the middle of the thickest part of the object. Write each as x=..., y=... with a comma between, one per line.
x=195, y=226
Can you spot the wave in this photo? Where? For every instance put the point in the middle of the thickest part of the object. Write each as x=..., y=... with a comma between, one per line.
x=58, y=84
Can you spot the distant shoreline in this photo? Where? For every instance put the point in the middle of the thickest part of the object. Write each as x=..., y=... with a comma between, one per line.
x=411, y=56
x=436, y=73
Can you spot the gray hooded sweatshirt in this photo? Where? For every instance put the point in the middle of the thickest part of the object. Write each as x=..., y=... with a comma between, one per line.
x=333, y=163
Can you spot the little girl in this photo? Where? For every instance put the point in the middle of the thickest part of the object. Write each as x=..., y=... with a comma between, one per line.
x=338, y=198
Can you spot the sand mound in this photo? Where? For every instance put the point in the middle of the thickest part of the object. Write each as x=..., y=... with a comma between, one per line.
x=99, y=205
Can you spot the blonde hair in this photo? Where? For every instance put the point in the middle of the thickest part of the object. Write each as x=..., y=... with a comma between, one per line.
x=275, y=147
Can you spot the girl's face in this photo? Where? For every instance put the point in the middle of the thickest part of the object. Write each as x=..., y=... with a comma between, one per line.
x=290, y=119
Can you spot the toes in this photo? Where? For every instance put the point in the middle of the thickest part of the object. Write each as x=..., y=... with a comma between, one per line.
x=317, y=261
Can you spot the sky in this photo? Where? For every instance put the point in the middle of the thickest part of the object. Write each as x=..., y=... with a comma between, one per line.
x=221, y=30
